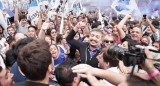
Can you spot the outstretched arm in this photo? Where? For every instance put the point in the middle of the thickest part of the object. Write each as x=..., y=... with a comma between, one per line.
x=105, y=74
x=121, y=24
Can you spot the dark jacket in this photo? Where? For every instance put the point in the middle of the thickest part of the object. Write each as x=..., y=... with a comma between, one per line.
x=83, y=50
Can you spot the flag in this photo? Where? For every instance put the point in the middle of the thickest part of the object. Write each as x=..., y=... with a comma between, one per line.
x=33, y=11
x=61, y=26
x=9, y=12
x=1, y=6
x=34, y=3
x=125, y=7
x=100, y=18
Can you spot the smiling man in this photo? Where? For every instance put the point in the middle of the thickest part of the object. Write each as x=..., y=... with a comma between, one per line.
x=88, y=50
x=136, y=32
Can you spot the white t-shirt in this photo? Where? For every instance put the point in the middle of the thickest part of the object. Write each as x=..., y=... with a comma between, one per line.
x=113, y=69
x=2, y=63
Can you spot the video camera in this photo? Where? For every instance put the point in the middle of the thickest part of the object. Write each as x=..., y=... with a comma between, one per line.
x=131, y=57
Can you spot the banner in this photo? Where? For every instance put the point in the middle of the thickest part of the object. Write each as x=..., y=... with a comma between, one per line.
x=33, y=11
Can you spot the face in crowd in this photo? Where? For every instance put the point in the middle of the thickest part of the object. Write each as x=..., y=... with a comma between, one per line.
x=54, y=51
x=136, y=34
x=23, y=22
x=95, y=39
x=11, y=31
x=108, y=40
x=32, y=32
x=101, y=63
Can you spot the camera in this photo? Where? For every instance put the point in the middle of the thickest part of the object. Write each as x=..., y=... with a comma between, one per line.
x=132, y=56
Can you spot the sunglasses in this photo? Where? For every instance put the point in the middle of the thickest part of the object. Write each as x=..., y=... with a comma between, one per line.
x=53, y=32
x=107, y=41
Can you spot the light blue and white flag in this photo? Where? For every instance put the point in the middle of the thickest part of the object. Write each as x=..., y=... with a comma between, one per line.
x=125, y=7
x=1, y=6
x=100, y=18
x=34, y=3
x=33, y=11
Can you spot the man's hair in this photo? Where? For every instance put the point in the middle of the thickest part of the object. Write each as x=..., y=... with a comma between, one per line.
x=98, y=30
x=137, y=81
x=22, y=17
x=155, y=23
x=34, y=59
x=59, y=37
x=64, y=74
x=20, y=44
x=107, y=58
x=31, y=26
x=9, y=27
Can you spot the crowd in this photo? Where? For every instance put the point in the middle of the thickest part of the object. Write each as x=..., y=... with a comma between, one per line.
x=38, y=55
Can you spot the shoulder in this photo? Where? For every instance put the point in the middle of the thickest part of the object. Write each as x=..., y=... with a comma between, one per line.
x=20, y=84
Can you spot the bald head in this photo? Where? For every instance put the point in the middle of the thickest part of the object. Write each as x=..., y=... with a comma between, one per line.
x=19, y=36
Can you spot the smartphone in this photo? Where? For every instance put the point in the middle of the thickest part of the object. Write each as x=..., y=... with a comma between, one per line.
x=144, y=16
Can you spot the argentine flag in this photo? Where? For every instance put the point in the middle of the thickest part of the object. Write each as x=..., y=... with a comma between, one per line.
x=34, y=3
x=1, y=6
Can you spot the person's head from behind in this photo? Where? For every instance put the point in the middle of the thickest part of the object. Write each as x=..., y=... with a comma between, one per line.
x=136, y=33
x=23, y=20
x=64, y=74
x=5, y=77
x=16, y=48
x=105, y=60
x=95, y=38
x=19, y=36
x=32, y=31
x=137, y=81
x=10, y=30
x=35, y=60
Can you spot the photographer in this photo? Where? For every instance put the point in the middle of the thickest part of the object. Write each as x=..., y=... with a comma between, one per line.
x=112, y=76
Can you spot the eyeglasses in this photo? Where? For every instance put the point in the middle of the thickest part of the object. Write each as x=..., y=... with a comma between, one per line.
x=53, y=32
x=111, y=41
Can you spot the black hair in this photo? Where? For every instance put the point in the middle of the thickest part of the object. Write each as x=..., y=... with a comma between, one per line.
x=22, y=17
x=64, y=74
x=34, y=59
x=59, y=38
x=31, y=26
x=19, y=44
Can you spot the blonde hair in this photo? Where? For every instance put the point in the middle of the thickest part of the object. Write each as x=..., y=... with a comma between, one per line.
x=107, y=37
